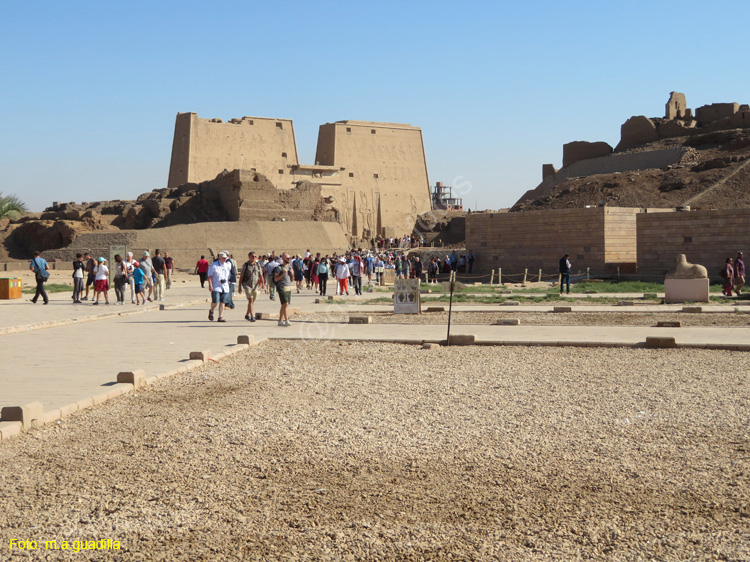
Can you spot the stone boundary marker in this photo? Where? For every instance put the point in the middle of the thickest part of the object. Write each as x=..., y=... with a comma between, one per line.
x=562, y=309
x=360, y=320
x=92, y=318
x=654, y=341
x=692, y=309
x=507, y=322
x=510, y=303
x=668, y=324
x=436, y=309
x=18, y=419
x=291, y=311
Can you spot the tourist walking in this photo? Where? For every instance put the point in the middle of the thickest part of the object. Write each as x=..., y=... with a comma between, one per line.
x=342, y=276
x=160, y=270
x=418, y=268
x=201, y=269
x=739, y=273
x=251, y=282
x=356, y=270
x=169, y=265
x=432, y=271
x=218, y=284
x=299, y=274
x=90, y=266
x=148, y=275
x=727, y=274
x=470, y=260
x=138, y=277
x=121, y=279
x=323, y=270
x=282, y=277
x=130, y=266
x=79, y=269
x=314, y=279
x=270, y=266
x=41, y=272
x=101, y=281
x=232, y=280
x=565, y=269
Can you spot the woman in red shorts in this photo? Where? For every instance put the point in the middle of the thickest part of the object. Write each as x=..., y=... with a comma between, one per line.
x=101, y=281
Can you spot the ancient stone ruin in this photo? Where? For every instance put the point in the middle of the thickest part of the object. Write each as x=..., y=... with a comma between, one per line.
x=682, y=139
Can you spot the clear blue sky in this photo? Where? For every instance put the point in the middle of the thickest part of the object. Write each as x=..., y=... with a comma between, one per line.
x=89, y=90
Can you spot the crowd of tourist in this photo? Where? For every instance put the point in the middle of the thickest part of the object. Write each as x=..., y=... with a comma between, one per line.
x=277, y=276
x=146, y=279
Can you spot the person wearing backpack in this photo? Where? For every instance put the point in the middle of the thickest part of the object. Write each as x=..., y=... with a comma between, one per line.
x=251, y=282
x=299, y=274
x=41, y=270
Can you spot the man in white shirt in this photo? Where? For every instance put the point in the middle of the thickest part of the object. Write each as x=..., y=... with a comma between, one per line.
x=218, y=284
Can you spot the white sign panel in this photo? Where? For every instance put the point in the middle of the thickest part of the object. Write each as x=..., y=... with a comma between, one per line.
x=406, y=297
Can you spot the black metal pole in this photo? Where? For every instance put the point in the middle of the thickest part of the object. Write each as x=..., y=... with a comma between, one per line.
x=450, y=307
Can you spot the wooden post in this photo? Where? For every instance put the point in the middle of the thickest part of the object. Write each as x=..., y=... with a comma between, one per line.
x=499, y=276
x=492, y=277
x=587, y=274
x=540, y=276
x=525, y=273
x=618, y=272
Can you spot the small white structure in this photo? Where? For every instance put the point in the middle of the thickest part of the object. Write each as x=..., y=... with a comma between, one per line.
x=406, y=299
x=689, y=283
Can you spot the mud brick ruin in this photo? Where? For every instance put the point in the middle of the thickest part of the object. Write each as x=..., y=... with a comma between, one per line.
x=583, y=158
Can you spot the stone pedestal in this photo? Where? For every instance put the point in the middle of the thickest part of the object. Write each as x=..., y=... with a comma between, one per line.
x=686, y=290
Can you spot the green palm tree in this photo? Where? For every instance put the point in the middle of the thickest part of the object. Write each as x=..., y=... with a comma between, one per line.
x=11, y=207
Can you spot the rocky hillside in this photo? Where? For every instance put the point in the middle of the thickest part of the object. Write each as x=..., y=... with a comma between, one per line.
x=714, y=173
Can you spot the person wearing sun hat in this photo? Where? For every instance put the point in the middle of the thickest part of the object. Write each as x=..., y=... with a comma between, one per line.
x=342, y=276
x=218, y=285
x=101, y=281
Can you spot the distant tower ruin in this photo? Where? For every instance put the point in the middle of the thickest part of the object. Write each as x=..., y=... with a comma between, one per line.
x=676, y=106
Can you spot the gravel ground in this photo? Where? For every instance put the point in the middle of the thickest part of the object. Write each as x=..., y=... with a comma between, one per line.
x=336, y=451
x=545, y=318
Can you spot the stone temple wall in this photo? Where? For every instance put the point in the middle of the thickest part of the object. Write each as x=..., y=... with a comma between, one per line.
x=601, y=239
x=705, y=237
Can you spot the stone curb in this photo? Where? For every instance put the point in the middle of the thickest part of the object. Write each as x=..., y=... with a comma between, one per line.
x=10, y=429
x=57, y=323
x=623, y=344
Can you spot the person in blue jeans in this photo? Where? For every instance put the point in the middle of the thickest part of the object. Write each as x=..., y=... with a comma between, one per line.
x=565, y=269
x=39, y=267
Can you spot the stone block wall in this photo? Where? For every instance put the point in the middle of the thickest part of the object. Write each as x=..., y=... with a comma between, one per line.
x=705, y=237
x=582, y=150
x=186, y=243
x=598, y=238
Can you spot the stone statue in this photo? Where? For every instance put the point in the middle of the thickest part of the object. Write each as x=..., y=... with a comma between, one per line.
x=687, y=270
